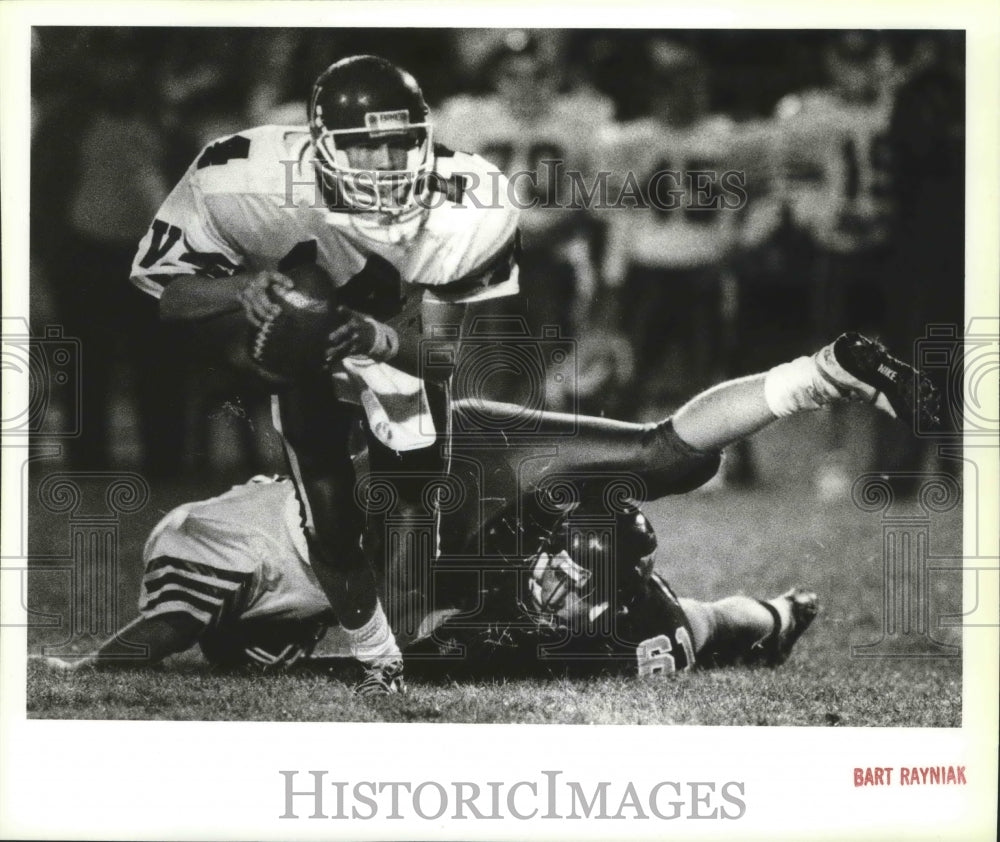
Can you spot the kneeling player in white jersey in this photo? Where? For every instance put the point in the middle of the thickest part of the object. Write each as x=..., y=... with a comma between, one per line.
x=554, y=586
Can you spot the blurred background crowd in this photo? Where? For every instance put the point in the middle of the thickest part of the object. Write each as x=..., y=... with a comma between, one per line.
x=820, y=188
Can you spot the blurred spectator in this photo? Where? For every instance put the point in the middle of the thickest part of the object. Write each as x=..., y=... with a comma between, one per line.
x=666, y=261
x=926, y=140
x=96, y=183
x=855, y=201
x=200, y=93
x=613, y=63
x=832, y=174
x=537, y=135
x=212, y=83
x=271, y=78
x=775, y=257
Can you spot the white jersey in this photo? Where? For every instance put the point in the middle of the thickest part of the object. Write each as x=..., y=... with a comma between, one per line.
x=831, y=168
x=695, y=224
x=756, y=154
x=241, y=555
x=241, y=559
x=563, y=132
x=251, y=202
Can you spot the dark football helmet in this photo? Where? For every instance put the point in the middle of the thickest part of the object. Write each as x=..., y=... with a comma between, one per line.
x=367, y=102
x=579, y=567
x=591, y=565
x=576, y=595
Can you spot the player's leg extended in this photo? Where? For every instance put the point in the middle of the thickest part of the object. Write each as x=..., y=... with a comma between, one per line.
x=581, y=449
x=682, y=452
x=141, y=643
x=851, y=368
x=316, y=428
x=741, y=630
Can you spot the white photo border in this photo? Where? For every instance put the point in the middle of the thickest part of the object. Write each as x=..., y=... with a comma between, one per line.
x=195, y=780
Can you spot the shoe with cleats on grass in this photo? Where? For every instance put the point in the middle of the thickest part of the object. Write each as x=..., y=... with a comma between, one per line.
x=793, y=613
x=381, y=679
x=862, y=369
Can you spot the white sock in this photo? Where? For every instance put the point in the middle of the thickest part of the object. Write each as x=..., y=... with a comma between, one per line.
x=798, y=386
x=374, y=641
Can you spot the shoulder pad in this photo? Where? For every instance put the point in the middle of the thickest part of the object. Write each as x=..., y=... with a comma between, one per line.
x=479, y=181
x=249, y=161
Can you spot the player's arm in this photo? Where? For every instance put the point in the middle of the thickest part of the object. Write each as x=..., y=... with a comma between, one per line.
x=213, y=315
x=195, y=298
x=427, y=346
x=189, y=264
x=434, y=336
x=211, y=307
x=143, y=642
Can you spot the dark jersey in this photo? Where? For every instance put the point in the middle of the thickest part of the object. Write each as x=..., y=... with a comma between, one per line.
x=649, y=635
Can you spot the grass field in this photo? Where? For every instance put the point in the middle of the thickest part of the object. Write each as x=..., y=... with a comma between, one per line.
x=712, y=544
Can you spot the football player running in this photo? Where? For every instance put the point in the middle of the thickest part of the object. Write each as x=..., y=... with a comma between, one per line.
x=408, y=232
x=530, y=577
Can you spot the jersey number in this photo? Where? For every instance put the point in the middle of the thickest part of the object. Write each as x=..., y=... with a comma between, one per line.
x=501, y=155
x=165, y=236
x=697, y=181
x=224, y=151
x=654, y=656
x=878, y=158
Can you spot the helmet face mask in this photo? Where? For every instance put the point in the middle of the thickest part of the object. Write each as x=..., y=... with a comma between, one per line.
x=584, y=569
x=393, y=191
x=560, y=588
x=373, y=141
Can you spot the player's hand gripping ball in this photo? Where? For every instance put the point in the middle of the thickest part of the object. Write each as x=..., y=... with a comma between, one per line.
x=291, y=323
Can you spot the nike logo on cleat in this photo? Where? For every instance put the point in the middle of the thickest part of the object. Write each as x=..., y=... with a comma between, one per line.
x=886, y=371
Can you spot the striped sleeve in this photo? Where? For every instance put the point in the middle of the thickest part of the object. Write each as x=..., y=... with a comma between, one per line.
x=183, y=239
x=209, y=594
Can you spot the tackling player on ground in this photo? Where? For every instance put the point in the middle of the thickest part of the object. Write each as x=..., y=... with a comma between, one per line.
x=408, y=232
x=234, y=573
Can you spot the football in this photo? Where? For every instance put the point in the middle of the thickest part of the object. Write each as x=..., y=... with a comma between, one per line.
x=292, y=342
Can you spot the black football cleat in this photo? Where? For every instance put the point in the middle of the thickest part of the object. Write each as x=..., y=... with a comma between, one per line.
x=382, y=679
x=793, y=611
x=862, y=369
